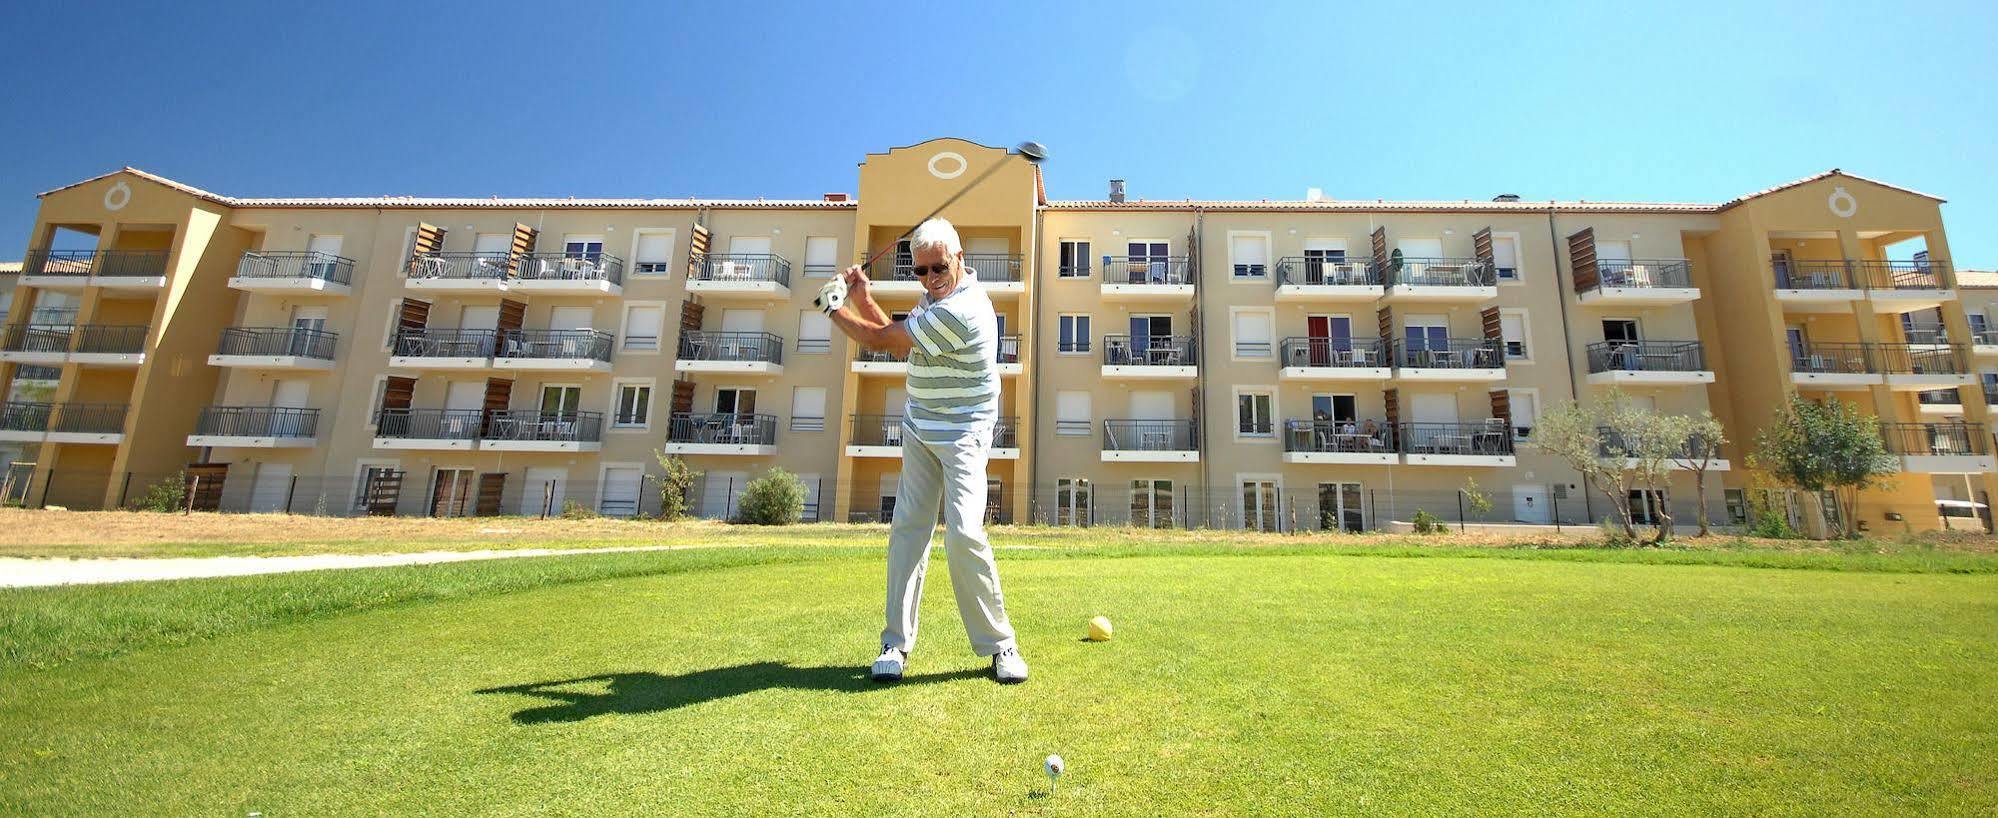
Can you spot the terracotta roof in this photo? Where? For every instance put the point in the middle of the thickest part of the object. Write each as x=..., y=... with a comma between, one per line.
x=162, y=180
x=1379, y=205
x=1814, y=177
x=9, y=267
x=1979, y=279
x=548, y=203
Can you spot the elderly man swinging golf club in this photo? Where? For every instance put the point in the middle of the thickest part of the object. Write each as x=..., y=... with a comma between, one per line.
x=952, y=340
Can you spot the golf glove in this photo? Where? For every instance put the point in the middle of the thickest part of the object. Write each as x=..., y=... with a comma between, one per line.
x=832, y=296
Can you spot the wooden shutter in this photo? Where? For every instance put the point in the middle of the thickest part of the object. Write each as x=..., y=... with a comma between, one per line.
x=523, y=244
x=683, y=397
x=380, y=494
x=429, y=241
x=512, y=316
x=499, y=392
x=491, y=484
x=1502, y=405
x=1481, y=244
x=697, y=250
x=691, y=313
x=1386, y=315
x=1380, y=249
x=204, y=485
x=398, y=392
x=1582, y=259
x=1391, y=404
x=415, y=314
x=1494, y=331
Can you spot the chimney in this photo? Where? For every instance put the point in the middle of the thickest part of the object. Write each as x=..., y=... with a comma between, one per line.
x=1117, y=190
x=1314, y=194
x=835, y=197
x=1506, y=197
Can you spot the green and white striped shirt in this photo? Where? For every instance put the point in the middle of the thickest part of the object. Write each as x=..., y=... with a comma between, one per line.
x=954, y=366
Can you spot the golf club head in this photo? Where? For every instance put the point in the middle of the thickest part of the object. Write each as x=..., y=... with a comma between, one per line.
x=832, y=296
x=1035, y=152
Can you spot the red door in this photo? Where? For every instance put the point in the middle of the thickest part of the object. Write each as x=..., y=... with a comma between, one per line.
x=1318, y=332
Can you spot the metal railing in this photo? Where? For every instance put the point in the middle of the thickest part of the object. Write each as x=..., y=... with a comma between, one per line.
x=1643, y=273
x=1939, y=397
x=1441, y=272
x=296, y=264
x=1940, y=439
x=44, y=262
x=1150, y=350
x=424, y=342
x=1009, y=349
x=1005, y=433
x=1334, y=272
x=1348, y=436
x=89, y=418
x=293, y=341
x=104, y=339
x=732, y=429
x=994, y=267
x=1490, y=438
x=257, y=421
x=129, y=263
x=25, y=416
x=1833, y=358
x=496, y=266
x=732, y=346
x=565, y=267
x=1614, y=443
x=1647, y=356
x=1147, y=270
x=1985, y=337
x=1925, y=333
x=1854, y=358
x=54, y=338
x=536, y=425
x=876, y=430
x=745, y=267
x=1810, y=274
x=1150, y=435
x=1449, y=353
x=879, y=356
x=430, y=424
x=1334, y=352
x=1932, y=274
x=563, y=344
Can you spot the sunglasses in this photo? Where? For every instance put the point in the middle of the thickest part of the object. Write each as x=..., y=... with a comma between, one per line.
x=934, y=269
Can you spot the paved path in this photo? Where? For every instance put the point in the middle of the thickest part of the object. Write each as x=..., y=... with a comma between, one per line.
x=17, y=572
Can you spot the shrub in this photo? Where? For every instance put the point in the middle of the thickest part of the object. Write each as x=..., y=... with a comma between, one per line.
x=1427, y=523
x=572, y=510
x=1616, y=536
x=1773, y=524
x=776, y=498
x=675, y=482
x=169, y=495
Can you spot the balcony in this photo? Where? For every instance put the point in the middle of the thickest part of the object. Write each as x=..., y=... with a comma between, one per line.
x=1648, y=363
x=139, y=270
x=1939, y=402
x=460, y=272
x=1151, y=441
x=1153, y=357
x=454, y=430
x=742, y=275
x=425, y=348
x=294, y=273
x=554, y=350
x=38, y=344
x=287, y=348
x=998, y=274
x=564, y=274
x=1457, y=444
x=1440, y=281
x=1925, y=334
x=1009, y=356
x=721, y=433
x=83, y=423
x=255, y=427
x=1345, y=443
x=531, y=430
x=1904, y=367
x=1327, y=280
x=90, y=344
x=1006, y=439
x=875, y=436
x=1940, y=448
x=1449, y=360
x=1638, y=283
x=1830, y=285
x=1142, y=278
x=1334, y=359
x=731, y=353
x=1984, y=341
x=880, y=362
x=1682, y=456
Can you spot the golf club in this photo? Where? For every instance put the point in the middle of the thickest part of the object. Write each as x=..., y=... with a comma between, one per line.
x=1035, y=152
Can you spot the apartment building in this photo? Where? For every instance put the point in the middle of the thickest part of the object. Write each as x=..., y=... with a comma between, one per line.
x=1270, y=364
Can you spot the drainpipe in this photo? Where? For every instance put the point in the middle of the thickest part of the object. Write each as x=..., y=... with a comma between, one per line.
x=1567, y=332
x=1200, y=335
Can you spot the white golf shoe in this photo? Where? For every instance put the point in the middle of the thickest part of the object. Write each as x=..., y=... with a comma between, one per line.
x=888, y=666
x=1008, y=668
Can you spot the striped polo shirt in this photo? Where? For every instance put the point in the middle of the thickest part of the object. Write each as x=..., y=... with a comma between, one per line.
x=954, y=365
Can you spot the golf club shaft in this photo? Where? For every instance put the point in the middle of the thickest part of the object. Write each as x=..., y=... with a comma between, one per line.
x=933, y=214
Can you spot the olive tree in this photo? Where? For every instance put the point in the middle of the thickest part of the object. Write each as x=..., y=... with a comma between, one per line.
x=1826, y=446
x=1703, y=438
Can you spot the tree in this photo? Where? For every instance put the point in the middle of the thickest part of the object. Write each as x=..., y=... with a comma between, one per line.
x=1704, y=438
x=675, y=483
x=1826, y=446
x=1644, y=443
x=1475, y=498
x=776, y=498
x=1574, y=433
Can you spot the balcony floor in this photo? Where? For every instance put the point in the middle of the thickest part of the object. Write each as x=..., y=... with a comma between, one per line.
x=1948, y=464
x=552, y=364
x=1329, y=293
x=1148, y=372
x=557, y=286
x=1334, y=373
x=1924, y=383
x=1432, y=294
x=425, y=362
x=729, y=367
x=740, y=289
x=1639, y=296
x=426, y=444
x=1474, y=460
x=1151, y=456
x=1634, y=377
x=540, y=446
x=1343, y=458
x=1147, y=292
x=295, y=363
x=290, y=286
x=874, y=451
x=246, y=442
x=1449, y=375
x=739, y=449
x=1835, y=380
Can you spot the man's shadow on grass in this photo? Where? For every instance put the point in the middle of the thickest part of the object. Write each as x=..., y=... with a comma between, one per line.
x=647, y=692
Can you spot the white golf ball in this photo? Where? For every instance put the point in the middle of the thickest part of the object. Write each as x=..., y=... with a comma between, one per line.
x=1055, y=766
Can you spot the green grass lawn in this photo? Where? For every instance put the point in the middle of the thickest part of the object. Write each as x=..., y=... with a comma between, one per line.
x=1280, y=680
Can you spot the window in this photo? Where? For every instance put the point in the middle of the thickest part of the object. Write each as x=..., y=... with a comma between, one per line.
x=1259, y=505
x=1737, y=506
x=560, y=400
x=1620, y=330
x=735, y=401
x=808, y=409
x=1072, y=413
x=1074, y=504
x=1340, y=508
x=814, y=332
x=1978, y=323
x=1074, y=333
x=821, y=256
x=1249, y=254
x=654, y=254
x=1512, y=328
x=634, y=406
x=1252, y=333
x=642, y=325
x=588, y=247
x=1646, y=507
x=1151, y=503
x=1074, y=259
x=1323, y=260
x=1253, y=415
x=1340, y=409
x=1505, y=257
x=1525, y=412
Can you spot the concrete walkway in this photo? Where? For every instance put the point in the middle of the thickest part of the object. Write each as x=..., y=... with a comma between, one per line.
x=17, y=572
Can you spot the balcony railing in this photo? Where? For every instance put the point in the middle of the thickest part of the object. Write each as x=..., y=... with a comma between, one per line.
x=89, y=418
x=1841, y=274
x=1334, y=352
x=1920, y=359
x=1149, y=350
x=1449, y=353
x=1147, y=270
x=1647, y=356
x=1150, y=435
x=1833, y=358
x=723, y=428
x=994, y=267
x=89, y=338
x=296, y=264
x=1009, y=349
x=1343, y=437
x=1490, y=438
x=1005, y=433
x=1939, y=397
x=430, y=424
x=25, y=416
x=127, y=263
x=1441, y=272
x=565, y=267
x=1811, y=274
x=1936, y=439
x=1643, y=273
x=1315, y=272
x=536, y=425
x=105, y=339
x=555, y=344
x=732, y=346
x=880, y=356
x=293, y=341
x=55, y=338
x=877, y=430
x=423, y=342
x=1880, y=359
x=257, y=421
x=1925, y=333
x=744, y=267
x=1614, y=443
x=1985, y=337
x=462, y=266
x=41, y=262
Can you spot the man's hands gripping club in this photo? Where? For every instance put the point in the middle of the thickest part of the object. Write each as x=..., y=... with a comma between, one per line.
x=866, y=322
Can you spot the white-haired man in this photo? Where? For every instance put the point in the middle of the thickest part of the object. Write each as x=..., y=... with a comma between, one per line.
x=952, y=340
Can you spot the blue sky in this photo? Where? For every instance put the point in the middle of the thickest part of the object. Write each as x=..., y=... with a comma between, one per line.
x=1213, y=100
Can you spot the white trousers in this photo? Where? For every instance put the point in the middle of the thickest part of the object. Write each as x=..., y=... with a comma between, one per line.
x=950, y=475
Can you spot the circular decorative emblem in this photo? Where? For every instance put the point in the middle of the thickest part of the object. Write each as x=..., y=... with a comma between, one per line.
x=1842, y=204
x=118, y=196
x=948, y=159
